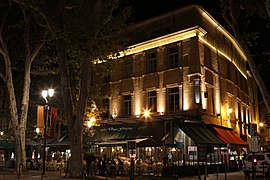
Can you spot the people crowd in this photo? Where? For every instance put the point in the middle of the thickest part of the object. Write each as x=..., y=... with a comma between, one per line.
x=117, y=166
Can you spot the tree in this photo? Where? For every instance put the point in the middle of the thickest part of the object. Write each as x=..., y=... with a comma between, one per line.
x=22, y=33
x=84, y=30
x=231, y=13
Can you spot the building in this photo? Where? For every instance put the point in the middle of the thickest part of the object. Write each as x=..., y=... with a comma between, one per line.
x=187, y=77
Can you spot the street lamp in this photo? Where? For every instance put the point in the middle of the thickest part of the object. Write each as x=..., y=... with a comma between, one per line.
x=146, y=113
x=45, y=94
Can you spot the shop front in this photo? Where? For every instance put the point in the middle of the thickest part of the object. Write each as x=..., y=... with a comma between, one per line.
x=158, y=144
x=236, y=147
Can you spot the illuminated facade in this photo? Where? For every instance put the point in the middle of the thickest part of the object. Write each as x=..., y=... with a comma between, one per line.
x=183, y=66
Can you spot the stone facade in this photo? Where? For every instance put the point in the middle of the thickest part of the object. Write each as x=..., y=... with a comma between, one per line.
x=209, y=73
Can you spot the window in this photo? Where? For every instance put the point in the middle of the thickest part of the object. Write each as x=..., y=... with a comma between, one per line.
x=239, y=112
x=105, y=105
x=173, y=57
x=128, y=68
x=245, y=115
x=152, y=101
x=210, y=100
x=152, y=62
x=229, y=76
x=173, y=99
x=207, y=58
x=127, y=105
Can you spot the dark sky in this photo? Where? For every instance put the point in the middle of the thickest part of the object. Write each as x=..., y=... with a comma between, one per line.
x=149, y=8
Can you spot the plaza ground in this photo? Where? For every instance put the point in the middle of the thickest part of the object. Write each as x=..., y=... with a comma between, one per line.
x=8, y=174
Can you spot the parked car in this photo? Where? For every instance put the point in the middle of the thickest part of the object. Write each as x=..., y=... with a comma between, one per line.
x=261, y=163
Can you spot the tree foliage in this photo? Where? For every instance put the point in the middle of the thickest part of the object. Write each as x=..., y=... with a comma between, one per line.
x=82, y=31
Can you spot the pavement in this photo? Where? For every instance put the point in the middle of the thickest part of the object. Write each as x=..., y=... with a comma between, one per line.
x=55, y=175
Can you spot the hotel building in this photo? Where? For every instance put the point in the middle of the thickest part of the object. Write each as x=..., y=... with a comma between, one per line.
x=182, y=86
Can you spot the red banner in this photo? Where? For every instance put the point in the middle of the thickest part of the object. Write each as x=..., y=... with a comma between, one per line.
x=53, y=123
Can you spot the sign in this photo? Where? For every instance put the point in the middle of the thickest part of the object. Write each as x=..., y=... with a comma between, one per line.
x=254, y=144
x=253, y=129
x=201, y=153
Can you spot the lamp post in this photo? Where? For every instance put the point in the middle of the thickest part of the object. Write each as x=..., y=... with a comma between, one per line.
x=261, y=136
x=45, y=94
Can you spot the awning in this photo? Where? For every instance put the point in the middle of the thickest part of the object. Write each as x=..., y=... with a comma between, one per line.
x=228, y=136
x=144, y=133
x=200, y=134
x=6, y=145
x=29, y=142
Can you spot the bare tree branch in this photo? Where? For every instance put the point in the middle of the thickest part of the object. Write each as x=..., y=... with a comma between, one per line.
x=30, y=56
x=26, y=34
x=47, y=24
x=3, y=47
x=226, y=13
x=38, y=47
x=233, y=9
x=267, y=6
x=106, y=19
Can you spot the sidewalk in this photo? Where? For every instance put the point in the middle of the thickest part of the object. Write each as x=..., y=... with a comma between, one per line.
x=55, y=175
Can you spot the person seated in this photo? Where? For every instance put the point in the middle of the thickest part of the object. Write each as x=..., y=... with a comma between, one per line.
x=113, y=167
x=120, y=167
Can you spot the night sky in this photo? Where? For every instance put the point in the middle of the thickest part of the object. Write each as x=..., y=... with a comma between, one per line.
x=147, y=9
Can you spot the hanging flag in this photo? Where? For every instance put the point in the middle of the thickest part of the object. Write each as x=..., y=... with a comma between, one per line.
x=53, y=122
x=40, y=119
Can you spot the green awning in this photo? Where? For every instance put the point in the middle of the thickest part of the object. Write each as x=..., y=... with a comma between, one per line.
x=144, y=133
x=200, y=134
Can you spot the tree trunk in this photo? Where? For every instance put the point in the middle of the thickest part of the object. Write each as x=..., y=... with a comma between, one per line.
x=24, y=113
x=77, y=138
x=14, y=116
x=75, y=134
